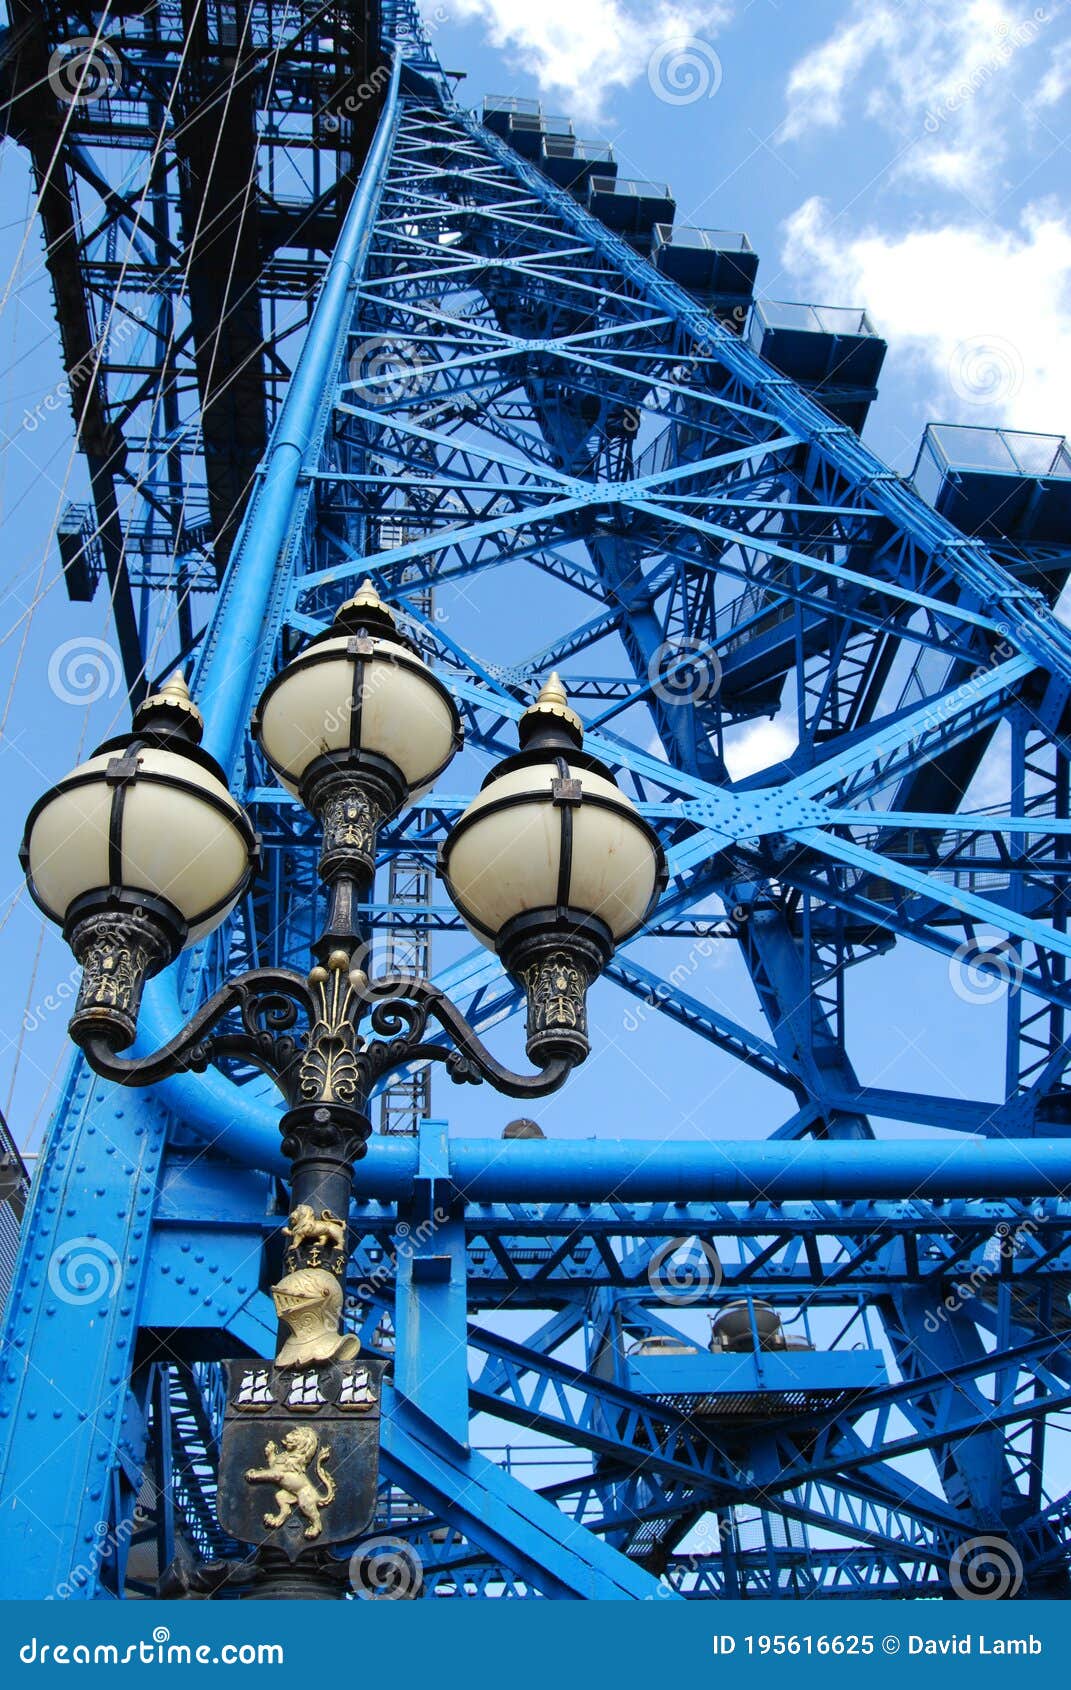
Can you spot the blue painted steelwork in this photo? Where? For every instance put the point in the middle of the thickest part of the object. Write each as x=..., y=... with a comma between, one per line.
x=493, y=380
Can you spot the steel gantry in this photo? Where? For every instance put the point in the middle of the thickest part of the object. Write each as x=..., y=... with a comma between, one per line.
x=523, y=391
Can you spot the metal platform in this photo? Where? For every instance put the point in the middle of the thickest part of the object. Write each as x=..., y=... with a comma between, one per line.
x=833, y=351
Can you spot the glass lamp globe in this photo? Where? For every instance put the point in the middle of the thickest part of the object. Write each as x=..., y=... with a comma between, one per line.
x=139, y=851
x=359, y=697
x=551, y=866
x=147, y=813
x=550, y=829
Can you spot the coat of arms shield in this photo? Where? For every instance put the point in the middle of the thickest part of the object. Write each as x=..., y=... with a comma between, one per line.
x=300, y=1458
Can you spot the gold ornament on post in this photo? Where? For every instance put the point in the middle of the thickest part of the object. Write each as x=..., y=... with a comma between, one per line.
x=287, y=1469
x=310, y=1302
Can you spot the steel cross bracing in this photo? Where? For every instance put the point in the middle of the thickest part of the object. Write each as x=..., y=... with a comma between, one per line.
x=492, y=381
x=187, y=213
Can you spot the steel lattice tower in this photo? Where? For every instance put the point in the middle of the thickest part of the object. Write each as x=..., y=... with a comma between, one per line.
x=512, y=362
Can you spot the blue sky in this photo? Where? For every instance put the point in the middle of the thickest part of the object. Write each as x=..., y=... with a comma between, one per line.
x=911, y=158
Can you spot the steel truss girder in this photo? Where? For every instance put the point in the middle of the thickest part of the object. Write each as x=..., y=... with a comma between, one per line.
x=535, y=331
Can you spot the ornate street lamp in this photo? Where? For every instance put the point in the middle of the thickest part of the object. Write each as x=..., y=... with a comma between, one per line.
x=142, y=850
x=551, y=867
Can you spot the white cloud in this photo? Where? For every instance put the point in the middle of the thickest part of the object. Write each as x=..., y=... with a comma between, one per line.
x=942, y=79
x=818, y=84
x=986, y=312
x=579, y=51
x=758, y=745
x=1057, y=78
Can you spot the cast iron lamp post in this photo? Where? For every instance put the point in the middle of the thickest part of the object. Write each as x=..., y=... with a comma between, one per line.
x=142, y=850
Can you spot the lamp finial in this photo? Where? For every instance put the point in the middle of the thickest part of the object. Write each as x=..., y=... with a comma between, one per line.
x=551, y=710
x=365, y=603
x=170, y=706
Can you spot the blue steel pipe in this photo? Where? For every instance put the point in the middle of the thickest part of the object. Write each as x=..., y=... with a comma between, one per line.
x=636, y=1171
x=234, y=641
x=240, y=1126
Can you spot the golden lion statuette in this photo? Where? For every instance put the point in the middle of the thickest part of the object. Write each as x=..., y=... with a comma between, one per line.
x=287, y=1470
x=319, y=1232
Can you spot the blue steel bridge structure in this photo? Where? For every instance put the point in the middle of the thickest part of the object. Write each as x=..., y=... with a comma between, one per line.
x=369, y=332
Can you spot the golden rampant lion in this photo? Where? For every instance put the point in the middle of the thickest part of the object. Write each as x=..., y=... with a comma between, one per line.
x=325, y=1233
x=287, y=1469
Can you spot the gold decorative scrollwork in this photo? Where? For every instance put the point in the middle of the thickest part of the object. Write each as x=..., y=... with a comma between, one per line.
x=112, y=968
x=329, y=1071
x=349, y=822
x=555, y=989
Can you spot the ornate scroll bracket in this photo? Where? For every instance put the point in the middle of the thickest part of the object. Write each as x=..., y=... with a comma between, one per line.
x=327, y=1072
